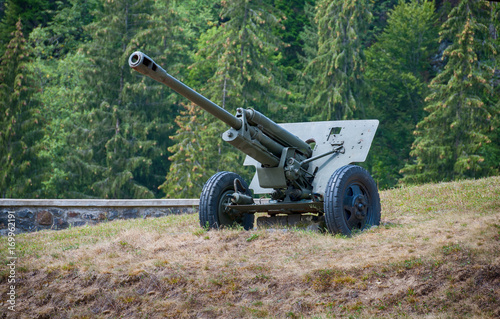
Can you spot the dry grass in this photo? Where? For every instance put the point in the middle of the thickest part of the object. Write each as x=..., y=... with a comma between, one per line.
x=436, y=255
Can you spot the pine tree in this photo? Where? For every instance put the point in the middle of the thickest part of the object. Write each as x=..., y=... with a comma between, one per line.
x=294, y=20
x=450, y=139
x=398, y=70
x=2, y=9
x=64, y=33
x=124, y=128
x=299, y=34
x=380, y=11
x=199, y=153
x=62, y=97
x=57, y=69
x=491, y=151
x=169, y=38
x=337, y=91
x=20, y=126
x=32, y=12
x=238, y=58
x=309, y=36
x=197, y=15
x=241, y=53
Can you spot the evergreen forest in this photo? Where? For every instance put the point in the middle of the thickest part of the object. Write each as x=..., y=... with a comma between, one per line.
x=77, y=122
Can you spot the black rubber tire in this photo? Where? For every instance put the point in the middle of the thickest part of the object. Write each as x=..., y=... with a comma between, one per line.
x=213, y=194
x=351, y=201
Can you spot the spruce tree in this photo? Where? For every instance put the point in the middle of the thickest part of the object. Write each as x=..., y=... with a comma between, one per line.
x=238, y=60
x=294, y=20
x=64, y=33
x=199, y=153
x=451, y=138
x=63, y=99
x=380, y=11
x=32, y=12
x=168, y=39
x=57, y=69
x=491, y=151
x=241, y=53
x=124, y=128
x=309, y=36
x=21, y=131
x=338, y=87
x=197, y=15
x=397, y=72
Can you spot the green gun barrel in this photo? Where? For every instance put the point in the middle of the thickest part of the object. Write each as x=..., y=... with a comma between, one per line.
x=275, y=138
x=145, y=65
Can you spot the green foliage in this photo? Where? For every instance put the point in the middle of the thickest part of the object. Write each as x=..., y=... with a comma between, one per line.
x=241, y=54
x=337, y=90
x=123, y=122
x=309, y=36
x=398, y=68
x=293, y=22
x=198, y=142
x=20, y=124
x=197, y=15
x=111, y=141
x=491, y=151
x=2, y=9
x=380, y=11
x=62, y=100
x=63, y=97
x=76, y=121
x=451, y=139
x=237, y=59
x=65, y=32
x=32, y=13
x=299, y=33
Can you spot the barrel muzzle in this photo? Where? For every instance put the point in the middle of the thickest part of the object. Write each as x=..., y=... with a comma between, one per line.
x=138, y=58
x=145, y=65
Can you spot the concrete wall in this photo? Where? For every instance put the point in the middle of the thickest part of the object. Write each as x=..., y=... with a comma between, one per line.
x=33, y=215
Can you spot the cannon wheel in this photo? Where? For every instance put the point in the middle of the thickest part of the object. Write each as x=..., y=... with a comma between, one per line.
x=214, y=199
x=351, y=201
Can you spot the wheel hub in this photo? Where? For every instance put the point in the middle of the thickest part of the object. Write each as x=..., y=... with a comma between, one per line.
x=360, y=206
x=225, y=213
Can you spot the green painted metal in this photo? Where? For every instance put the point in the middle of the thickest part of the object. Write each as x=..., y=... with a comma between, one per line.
x=251, y=132
x=287, y=167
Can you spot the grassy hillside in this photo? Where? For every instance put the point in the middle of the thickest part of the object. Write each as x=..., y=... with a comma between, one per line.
x=436, y=255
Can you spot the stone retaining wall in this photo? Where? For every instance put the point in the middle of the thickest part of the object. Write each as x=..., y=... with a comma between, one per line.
x=33, y=215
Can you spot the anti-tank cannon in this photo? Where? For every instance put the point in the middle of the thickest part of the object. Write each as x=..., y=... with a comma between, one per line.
x=305, y=167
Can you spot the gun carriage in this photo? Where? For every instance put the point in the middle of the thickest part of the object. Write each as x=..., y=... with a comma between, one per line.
x=304, y=167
